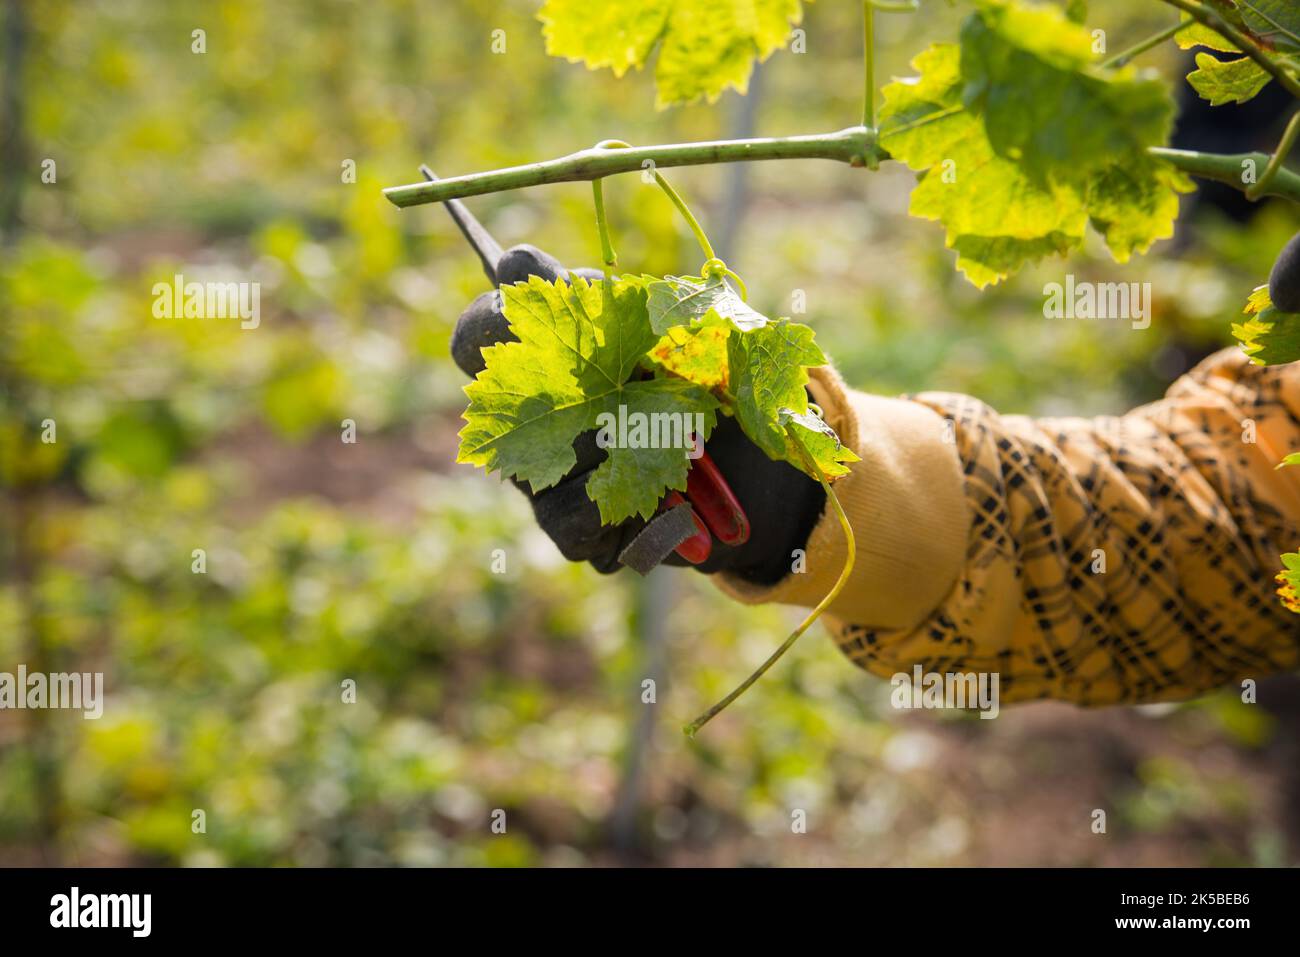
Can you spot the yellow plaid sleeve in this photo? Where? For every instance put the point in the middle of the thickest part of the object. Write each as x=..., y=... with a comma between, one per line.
x=1116, y=559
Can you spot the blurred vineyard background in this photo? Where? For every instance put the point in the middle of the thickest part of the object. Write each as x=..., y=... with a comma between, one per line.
x=371, y=561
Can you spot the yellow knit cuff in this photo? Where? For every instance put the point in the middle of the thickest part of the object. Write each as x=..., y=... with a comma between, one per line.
x=905, y=502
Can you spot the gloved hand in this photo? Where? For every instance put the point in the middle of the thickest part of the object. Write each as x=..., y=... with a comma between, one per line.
x=783, y=504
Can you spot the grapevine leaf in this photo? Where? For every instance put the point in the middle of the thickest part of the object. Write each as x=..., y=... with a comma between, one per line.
x=1012, y=181
x=996, y=215
x=820, y=442
x=632, y=480
x=704, y=47
x=768, y=374
x=1258, y=300
x=1031, y=75
x=1197, y=34
x=536, y=395
x=677, y=300
x=809, y=420
x=697, y=352
x=1227, y=81
x=1275, y=22
x=577, y=349
x=1288, y=581
x=1134, y=204
x=765, y=369
x=1269, y=336
x=986, y=260
x=615, y=35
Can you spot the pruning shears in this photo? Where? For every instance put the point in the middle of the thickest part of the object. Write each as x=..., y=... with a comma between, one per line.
x=686, y=524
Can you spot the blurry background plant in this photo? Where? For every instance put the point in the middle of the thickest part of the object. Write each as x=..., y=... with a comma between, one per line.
x=372, y=561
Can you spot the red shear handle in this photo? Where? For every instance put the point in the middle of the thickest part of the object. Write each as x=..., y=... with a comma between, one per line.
x=714, y=507
x=715, y=502
x=696, y=548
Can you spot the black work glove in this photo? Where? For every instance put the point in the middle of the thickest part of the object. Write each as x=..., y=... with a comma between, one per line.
x=1284, y=280
x=783, y=504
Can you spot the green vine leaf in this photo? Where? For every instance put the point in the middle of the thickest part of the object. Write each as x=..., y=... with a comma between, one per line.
x=631, y=481
x=678, y=300
x=1197, y=34
x=1292, y=459
x=769, y=376
x=763, y=375
x=1016, y=220
x=1133, y=204
x=581, y=364
x=1010, y=178
x=1227, y=81
x=1288, y=581
x=574, y=362
x=1269, y=336
x=1275, y=23
x=1032, y=77
x=821, y=442
x=704, y=47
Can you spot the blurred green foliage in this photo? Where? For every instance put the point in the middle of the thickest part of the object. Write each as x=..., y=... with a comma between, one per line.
x=329, y=562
